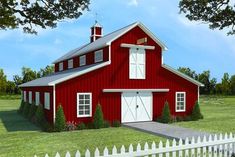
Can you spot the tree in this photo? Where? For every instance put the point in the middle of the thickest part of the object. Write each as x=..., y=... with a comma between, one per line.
x=43, y=13
x=189, y=72
x=60, y=119
x=196, y=113
x=166, y=115
x=98, y=117
x=28, y=74
x=3, y=81
x=46, y=71
x=205, y=79
x=217, y=13
x=232, y=81
x=226, y=84
x=17, y=81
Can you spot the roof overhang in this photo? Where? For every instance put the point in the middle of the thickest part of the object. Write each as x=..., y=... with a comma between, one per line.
x=134, y=90
x=138, y=46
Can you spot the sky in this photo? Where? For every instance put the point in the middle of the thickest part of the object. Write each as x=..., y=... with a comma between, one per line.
x=190, y=44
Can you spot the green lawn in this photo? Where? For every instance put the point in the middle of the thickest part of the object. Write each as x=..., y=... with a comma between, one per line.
x=219, y=115
x=18, y=137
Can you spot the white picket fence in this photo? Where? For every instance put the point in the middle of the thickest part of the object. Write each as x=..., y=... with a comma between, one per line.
x=212, y=146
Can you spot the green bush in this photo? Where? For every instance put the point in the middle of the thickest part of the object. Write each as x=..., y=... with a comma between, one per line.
x=106, y=124
x=21, y=109
x=90, y=125
x=32, y=111
x=196, y=113
x=60, y=121
x=166, y=115
x=116, y=123
x=26, y=109
x=81, y=126
x=40, y=116
x=98, y=117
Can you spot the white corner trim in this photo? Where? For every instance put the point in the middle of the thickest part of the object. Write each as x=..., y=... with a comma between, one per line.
x=79, y=73
x=177, y=101
x=54, y=103
x=138, y=46
x=134, y=90
x=182, y=75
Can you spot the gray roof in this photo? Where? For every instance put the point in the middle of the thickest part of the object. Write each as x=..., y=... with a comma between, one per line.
x=59, y=77
x=106, y=40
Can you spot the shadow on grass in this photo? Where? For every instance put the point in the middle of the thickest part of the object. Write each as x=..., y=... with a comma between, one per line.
x=13, y=121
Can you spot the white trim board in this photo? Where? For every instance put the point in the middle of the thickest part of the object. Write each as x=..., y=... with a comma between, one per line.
x=135, y=90
x=138, y=46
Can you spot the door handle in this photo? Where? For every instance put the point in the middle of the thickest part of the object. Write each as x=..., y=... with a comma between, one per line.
x=137, y=106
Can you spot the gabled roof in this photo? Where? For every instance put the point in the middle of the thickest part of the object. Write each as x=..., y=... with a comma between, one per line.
x=64, y=75
x=182, y=75
x=107, y=40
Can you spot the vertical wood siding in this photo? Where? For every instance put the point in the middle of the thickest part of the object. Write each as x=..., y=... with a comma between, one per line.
x=116, y=75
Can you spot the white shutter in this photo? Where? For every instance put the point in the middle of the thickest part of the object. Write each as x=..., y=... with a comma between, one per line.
x=137, y=63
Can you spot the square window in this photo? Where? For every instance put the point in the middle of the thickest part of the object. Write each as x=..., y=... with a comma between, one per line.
x=84, y=105
x=180, y=101
x=99, y=56
x=82, y=60
x=87, y=96
x=70, y=63
x=61, y=66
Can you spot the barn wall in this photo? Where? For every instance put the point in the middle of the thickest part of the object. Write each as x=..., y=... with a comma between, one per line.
x=42, y=90
x=116, y=75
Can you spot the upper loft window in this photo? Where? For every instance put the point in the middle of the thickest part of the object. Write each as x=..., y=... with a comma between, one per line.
x=98, y=56
x=70, y=63
x=180, y=101
x=137, y=63
x=82, y=60
x=61, y=66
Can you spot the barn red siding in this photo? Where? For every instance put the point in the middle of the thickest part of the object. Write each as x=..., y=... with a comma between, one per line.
x=116, y=75
x=42, y=90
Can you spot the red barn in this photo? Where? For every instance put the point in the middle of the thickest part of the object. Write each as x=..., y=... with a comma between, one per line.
x=123, y=71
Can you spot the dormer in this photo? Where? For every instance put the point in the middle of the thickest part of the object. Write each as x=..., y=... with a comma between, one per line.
x=96, y=32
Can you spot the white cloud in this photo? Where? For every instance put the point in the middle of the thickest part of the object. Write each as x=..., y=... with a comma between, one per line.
x=133, y=2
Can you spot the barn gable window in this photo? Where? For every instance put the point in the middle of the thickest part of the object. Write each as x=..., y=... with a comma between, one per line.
x=180, y=101
x=84, y=102
x=98, y=56
x=137, y=63
x=30, y=97
x=37, y=98
x=70, y=63
x=82, y=60
x=25, y=96
x=61, y=66
x=47, y=101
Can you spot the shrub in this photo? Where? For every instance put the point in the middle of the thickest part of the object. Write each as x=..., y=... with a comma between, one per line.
x=47, y=127
x=90, y=125
x=98, y=117
x=70, y=126
x=196, y=113
x=32, y=111
x=60, y=119
x=40, y=116
x=116, y=123
x=81, y=126
x=166, y=115
x=106, y=124
x=26, y=109
x=21, y=109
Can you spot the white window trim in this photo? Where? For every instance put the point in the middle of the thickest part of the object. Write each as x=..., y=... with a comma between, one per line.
x=177, y=101
x=30, y=97
x=61, y=66
x=101, y=56
x=81, y=58
x=47, y=106
x=137, y=78
x=37, y=98
x=70, y=63
x=80, y=116
x=25, y=96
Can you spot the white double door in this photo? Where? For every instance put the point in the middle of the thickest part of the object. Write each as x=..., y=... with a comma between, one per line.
x=136, y=106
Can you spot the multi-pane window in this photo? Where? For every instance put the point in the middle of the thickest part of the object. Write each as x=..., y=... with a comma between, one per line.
x=70, y=63
x=99, y=56
x=30, y=97
x=82, y=60
x=180, y=101
x=47, y=101
x=84, y=104
x=61, y=66
x=37, y=98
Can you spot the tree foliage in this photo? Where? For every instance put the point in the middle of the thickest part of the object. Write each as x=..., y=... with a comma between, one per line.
x=43, y=13
x=217, y=13
x=60, y=121
x=196, y=113
x=98, y=117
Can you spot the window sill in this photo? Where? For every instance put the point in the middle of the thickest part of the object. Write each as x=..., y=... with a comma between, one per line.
x=83, y=116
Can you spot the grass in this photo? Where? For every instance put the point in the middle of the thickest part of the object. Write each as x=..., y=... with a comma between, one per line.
x=9, y=97
x=218, y=112
x=18, y=137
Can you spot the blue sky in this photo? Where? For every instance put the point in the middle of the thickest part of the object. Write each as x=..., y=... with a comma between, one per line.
x=190, y=44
